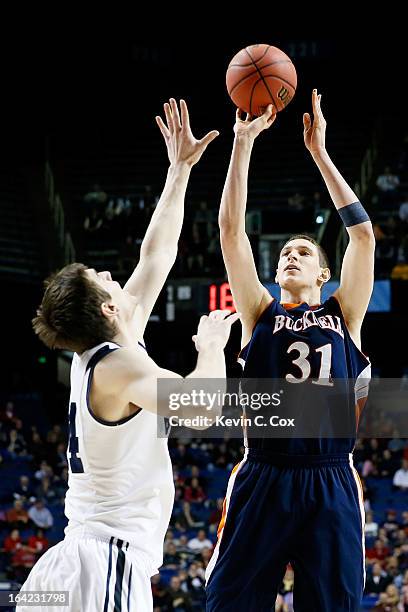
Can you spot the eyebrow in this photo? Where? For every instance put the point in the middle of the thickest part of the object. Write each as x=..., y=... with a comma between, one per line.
x=297, y=247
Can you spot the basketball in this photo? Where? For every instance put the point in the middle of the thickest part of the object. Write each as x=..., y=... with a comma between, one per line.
x=260, y=75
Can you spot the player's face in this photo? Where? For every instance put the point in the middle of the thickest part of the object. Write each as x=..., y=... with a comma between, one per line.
x=119, y=296
x=298, y=264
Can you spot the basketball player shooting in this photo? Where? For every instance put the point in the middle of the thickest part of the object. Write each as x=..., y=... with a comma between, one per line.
x=295, y=500
x=121, y=491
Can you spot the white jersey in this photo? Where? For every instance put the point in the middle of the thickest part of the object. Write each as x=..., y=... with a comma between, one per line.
x=120, y=477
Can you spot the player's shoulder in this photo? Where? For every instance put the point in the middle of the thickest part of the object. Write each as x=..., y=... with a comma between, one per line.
x=121, y=365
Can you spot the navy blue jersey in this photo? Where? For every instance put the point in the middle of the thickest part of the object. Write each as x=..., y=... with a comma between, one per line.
x=301, y=344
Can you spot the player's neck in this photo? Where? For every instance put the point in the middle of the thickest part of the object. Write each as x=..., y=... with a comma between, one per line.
x=126, y=335
x=298, y=297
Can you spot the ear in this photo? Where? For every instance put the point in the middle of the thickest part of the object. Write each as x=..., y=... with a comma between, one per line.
x=324, y=275
x=109, y=310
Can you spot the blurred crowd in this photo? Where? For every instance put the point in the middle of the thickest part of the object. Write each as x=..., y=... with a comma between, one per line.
x=32, y=498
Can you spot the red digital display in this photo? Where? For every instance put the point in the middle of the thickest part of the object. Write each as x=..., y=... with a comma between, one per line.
x=220, y=298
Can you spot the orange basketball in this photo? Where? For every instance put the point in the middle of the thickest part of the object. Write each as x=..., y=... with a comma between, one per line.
x=260, y=75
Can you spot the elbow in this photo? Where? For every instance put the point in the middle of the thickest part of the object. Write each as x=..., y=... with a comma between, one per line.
x=363, y=234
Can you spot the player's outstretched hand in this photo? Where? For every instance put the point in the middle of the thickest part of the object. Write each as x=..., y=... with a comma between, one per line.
x=180, y=142
x=214, y=329
x=253, y=127
x=314, y=133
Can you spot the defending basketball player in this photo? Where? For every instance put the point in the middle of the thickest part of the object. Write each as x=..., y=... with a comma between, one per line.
x=121, y=490
x=295, y=500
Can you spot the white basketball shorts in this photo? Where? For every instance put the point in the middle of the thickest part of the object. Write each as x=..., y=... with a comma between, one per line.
x=100, y=576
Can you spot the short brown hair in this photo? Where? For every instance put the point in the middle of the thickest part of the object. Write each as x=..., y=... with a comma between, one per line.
x=70, y=316
x=323, y=259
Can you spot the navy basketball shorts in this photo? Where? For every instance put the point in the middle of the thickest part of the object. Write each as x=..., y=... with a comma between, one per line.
x=304, y=510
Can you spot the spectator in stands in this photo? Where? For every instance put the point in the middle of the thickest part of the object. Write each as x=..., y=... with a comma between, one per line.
x=390, y=524
x=400, y=479
x=186, y=554
x=404, y=591
x=36, y=447
x=7, y=416
x=404, y=523
x=204, y=556
x=24, y=490
x=389, y=601
x=18, y=516
x=377, y=581
x=215, y=516
x=161, y=597
x=172, y=558
x=22, y=560
x=13, y=541
x=179, y=599
x=371, y=527
x=200, y=542
x=17, y=445
x=397, y=444
x=194, y=494
x=378, y=553
x=190, y=518
x=44, y=470
x=93, y=222
x=61, y=458
x=40, y=515
x=280, y=605
x=169, y=539
x=403, y=209
x=38, y=543
x=96, y=197
x=196, y=582
x=387, y=184
x=386, y=250
x=296, y=202
x=45, y=490
x=386, y=465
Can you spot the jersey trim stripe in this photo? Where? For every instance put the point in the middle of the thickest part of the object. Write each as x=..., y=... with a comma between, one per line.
x=362, y=511
x=105, y=607
x=105, y=350
x=120, y=570
x=221, y=526
x=129, y=587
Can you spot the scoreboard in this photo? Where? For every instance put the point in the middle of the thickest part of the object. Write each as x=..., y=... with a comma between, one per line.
x=205, y=295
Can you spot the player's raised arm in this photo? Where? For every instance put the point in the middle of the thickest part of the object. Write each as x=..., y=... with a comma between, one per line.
x=159, y=247
x=130, y=375
x=357, y=273
x=249, y=294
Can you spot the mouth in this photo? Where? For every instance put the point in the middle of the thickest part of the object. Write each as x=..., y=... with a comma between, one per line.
x=291, y=267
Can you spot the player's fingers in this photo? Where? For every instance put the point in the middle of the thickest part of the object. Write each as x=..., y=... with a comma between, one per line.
x=194, y=338
x=320, y=108
x=175, y=113
x=248, y=117
x=185, y=119
x=219, y=314
x=169, y=117
x=306, y=121
x=209, y=137
x=315, y=105
x=268, y=111
x=234, y=317
x=162, y=127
